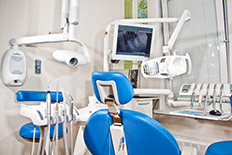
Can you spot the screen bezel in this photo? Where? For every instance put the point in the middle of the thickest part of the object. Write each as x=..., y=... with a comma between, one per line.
x=115, y=56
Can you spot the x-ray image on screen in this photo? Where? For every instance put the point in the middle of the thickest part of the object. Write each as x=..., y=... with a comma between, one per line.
x=134, y=40
x=131, y=42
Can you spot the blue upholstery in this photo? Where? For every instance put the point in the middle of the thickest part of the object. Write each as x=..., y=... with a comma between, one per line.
x=37, y=96
x=124, y=87
x=144, y=135
x=220, y=148
x=27, y=131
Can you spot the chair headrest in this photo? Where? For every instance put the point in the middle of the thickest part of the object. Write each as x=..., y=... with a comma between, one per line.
x=124, y=89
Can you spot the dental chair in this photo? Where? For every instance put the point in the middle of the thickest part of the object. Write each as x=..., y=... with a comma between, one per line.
x=120, y=131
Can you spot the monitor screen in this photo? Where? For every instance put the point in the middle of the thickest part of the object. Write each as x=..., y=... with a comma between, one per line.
x=133, y=42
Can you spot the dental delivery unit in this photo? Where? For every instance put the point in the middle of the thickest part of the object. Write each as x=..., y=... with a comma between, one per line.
x=50, y=116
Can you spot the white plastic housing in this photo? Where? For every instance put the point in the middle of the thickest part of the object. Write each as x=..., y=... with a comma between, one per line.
x=74, y=12
x=14, y=68
x=70, y=58
x=64, y=13
x=38, y=113
x=166, y=66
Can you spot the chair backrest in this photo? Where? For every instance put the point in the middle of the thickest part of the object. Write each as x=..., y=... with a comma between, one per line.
x=144, y=135
x=125, y=91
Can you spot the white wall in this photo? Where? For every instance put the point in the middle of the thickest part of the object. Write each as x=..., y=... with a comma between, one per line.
x=38, y=17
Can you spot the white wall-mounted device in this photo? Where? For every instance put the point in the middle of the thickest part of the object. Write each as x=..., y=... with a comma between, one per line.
x=14, y=67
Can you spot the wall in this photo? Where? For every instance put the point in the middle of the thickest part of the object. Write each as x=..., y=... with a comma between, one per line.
x=38, y=17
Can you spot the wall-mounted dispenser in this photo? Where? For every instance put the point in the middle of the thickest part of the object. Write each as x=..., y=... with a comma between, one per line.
x=14, y=67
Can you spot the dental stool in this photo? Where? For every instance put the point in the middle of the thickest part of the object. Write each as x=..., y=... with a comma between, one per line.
x=27, y=130
x=119, y=131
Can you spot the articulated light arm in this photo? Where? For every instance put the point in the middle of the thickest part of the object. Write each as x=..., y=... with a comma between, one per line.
x=185, y=16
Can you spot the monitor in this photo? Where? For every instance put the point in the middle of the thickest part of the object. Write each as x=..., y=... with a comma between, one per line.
x=133, y=41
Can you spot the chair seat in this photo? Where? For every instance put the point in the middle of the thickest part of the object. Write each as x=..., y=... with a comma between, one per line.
x=220, y=148
x=27, y=131
x=144, y=135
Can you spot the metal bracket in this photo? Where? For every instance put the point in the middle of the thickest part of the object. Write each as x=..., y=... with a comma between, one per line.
x=114, y=111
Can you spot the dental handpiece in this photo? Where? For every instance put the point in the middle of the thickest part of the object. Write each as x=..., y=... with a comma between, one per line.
x=217, y=93
x=203, y=92
x=206, y=97
x=48, y=101
x=193, y=87
x=195, y=92
x=221, y=97
x=71, y=105
x=57, y=91
x=71, y=122
x=211, y=93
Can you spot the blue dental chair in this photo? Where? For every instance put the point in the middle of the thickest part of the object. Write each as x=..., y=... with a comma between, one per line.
x=144, y=135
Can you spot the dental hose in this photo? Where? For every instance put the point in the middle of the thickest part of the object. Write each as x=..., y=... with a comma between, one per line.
x=71, y=122
x=64, y=124
x=56, y=126
x=48, y=102
x=57, y=116
x=33, y=143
